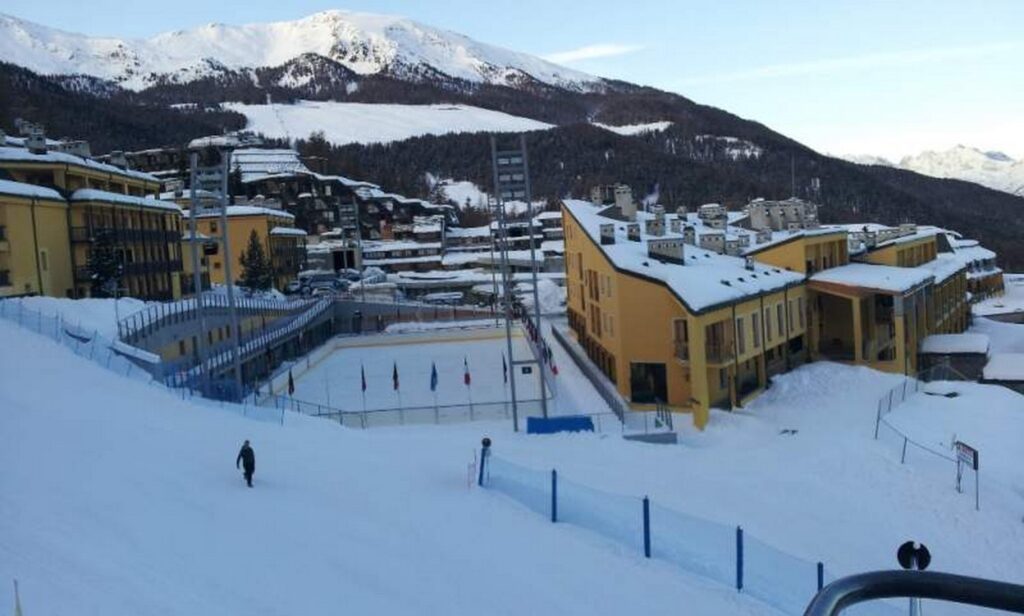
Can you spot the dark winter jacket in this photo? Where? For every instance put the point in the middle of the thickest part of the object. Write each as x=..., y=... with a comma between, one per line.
x=247, y=458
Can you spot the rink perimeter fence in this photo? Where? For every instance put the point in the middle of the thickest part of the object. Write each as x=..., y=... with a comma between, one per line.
x=725, y=554
x=120, y=358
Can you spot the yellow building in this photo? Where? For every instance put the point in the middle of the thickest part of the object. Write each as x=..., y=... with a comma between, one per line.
x=35, y=258
x=285, y=245
x=675, y=324
x=101, y=201
x=670, y=323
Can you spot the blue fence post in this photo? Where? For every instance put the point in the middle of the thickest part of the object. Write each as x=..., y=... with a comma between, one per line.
x=483, y=462
x=554, y=495
x=739, y=558
x=821, y=576
x=647, y=527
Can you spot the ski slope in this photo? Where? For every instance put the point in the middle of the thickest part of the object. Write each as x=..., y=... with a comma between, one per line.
x=366, y=123
x=120, y=498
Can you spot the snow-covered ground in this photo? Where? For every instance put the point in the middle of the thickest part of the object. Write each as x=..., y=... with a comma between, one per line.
x=368, y=123
x=1011, y=301
x=467, y=194
x=86, y=314
x=1003, y=337
x=120, y=498
x=630, y=130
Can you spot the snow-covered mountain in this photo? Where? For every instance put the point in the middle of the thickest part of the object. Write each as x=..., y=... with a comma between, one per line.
x=364, y=43
x=990, y=169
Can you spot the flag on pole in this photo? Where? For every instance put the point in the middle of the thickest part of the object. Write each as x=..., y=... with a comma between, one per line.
x=17, y=600
x=394, y=376
x=362, y=376
x=433, y=376
x=466, y=379
x=504, y=368
x=291, y=383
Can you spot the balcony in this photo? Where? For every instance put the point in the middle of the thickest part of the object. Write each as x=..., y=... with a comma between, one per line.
x=718, y=352
x=682, y=349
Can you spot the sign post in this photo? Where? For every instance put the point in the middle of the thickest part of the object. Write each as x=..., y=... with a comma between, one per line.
x=967, y=456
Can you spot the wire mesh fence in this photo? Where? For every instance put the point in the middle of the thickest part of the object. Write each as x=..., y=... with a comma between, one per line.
x=725, y=554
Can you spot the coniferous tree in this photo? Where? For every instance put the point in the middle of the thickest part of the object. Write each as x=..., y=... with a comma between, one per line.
x=257, y=272
x=105, y=268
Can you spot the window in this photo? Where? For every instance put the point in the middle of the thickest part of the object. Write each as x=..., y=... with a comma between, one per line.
x=741, y=341
x=755, y=321
x=782, y=324
x=800, y=311
x=44, y=260
x=768, y=324
x=789, y=316
x=181, y=347
x=723, y=379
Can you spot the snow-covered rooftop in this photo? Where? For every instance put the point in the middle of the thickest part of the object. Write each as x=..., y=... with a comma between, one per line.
x=21, y=155
x=244, y=210
x=484, y=231
x=20, y=189
x=877, y=277
x=706, y=280
x=955, y=343
x=943, y=266
x=91, y=194
x=288, y=231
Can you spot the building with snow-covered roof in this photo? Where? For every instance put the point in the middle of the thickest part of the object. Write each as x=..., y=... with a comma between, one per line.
x=786, y=215
x=283, y=244
x=35, y=256
x=670, y=315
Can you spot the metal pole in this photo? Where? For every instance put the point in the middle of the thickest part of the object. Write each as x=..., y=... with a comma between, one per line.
x=533, y=271
x=197, y=276
x=359, y=252
x=494, y=278
x=225, y=162
x=506, y=293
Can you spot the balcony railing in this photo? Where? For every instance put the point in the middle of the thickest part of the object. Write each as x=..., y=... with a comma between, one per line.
x=682, y=349
x=718, y=352
x=86, y=234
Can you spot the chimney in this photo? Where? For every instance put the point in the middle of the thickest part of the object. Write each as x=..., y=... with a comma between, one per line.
x=624, y=201
x=36, y=142
x=633, y=232
x=748, y=263
x=657, y=210
x=681, y=211
x=908, y=228
x=666, y=250
x=607, y=234
x=690, y=235
x=118, y=159
x=675, y=225
x=75, y=148
x=655, y=226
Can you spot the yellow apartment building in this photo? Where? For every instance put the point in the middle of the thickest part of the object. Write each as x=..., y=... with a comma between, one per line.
x=668, y=322
x=35, y=258
x=100, y=200
x=284, y=244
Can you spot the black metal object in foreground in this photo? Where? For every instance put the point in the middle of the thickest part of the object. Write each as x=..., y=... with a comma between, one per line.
x=844, y=592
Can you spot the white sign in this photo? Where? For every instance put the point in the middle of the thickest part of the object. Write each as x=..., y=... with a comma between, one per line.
x=967, y=455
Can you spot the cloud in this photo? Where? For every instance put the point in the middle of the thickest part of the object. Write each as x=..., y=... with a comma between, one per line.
x=886, y=59
x=591, y=52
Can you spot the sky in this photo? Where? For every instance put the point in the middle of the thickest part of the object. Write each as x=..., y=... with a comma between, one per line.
x=867, y=77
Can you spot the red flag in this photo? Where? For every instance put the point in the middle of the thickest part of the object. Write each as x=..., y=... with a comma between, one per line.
x=394, y=376
x=554, y=369
x=362, y=374
x=466, y=379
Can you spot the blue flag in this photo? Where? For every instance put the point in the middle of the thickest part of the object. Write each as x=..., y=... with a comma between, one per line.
x=433, y=377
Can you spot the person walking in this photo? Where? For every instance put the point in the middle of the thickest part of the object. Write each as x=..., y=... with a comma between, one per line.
x=247, y=459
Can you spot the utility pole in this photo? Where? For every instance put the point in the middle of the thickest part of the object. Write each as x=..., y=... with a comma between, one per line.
x=225, y=163
x=197, y=276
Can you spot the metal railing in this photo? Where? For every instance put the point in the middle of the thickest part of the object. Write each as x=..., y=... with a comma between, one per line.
x=144, y=322
x=849, y=591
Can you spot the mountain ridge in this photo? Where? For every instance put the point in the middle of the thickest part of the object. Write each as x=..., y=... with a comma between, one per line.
x=365, y=43
x=992, y=169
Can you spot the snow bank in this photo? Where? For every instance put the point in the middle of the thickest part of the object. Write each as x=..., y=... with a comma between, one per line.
x=955, y=343
x=1004, y=367
x=86, y=314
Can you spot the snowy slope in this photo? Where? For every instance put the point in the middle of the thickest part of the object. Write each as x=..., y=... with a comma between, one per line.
x=370, y=123
x=991, y=169
x=119, y=499
x=365, y=43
